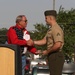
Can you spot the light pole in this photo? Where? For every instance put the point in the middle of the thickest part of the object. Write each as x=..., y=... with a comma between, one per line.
x=53, y=4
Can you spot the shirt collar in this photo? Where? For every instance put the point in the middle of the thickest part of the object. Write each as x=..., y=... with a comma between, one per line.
x=19, y=27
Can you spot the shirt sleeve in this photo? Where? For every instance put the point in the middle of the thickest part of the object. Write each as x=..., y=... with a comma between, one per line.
x=13, y=39
x=32, y=49
x=57, y=35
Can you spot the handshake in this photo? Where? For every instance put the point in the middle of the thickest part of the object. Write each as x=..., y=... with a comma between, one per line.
x=28, y=40
x=31, y=43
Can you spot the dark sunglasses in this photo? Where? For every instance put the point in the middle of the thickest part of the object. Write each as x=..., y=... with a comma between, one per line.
x=24, y=21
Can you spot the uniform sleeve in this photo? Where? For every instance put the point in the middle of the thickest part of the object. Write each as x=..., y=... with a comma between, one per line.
x=57, y=35
x=32, y=49
x=13, y=39
x=46, y=35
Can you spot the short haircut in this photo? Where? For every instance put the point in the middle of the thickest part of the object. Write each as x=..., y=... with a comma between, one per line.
x=19, y=18
x=50, y=13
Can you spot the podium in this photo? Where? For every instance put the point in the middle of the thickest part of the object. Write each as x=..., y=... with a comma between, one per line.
x=10, y=60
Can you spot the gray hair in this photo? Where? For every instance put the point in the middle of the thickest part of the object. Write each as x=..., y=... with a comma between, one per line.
x=19, y=18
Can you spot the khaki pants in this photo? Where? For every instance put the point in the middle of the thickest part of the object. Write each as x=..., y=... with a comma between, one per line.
x=56, y=61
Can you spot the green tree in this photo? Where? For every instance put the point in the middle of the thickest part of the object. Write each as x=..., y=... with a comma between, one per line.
x=66, y=19
x=39, y=33
x=3, y=37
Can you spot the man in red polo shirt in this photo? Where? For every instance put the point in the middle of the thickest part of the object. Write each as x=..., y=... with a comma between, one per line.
x=18, y=35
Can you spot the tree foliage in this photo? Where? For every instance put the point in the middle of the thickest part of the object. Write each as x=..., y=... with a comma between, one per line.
x=66, y=18
x=39, y=33
x=3, y=37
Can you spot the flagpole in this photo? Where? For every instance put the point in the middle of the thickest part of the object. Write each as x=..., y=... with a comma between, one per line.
x=53, y=4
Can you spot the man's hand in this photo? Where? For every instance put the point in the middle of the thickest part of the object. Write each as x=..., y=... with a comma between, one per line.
x=45, y=52
x=38, y=52
x=30, y=42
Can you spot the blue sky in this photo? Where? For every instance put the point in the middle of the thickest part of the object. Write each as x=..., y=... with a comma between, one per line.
x=33, y=9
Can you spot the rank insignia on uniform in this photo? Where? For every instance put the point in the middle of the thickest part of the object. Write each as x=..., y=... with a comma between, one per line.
x=58, y=34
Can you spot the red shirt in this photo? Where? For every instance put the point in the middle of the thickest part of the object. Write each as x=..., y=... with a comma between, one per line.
x=13, y=39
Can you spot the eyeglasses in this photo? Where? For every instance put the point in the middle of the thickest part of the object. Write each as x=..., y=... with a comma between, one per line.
x=24, y=21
